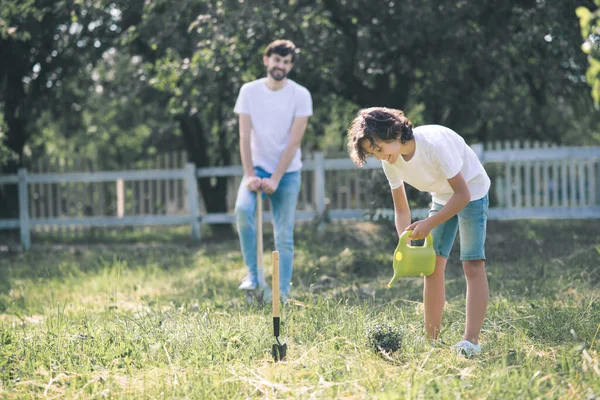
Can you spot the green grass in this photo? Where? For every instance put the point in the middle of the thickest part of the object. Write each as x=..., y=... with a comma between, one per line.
x=152, y=315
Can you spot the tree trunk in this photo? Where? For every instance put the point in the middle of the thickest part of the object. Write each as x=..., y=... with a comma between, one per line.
x=15, y=140
x=213, y=190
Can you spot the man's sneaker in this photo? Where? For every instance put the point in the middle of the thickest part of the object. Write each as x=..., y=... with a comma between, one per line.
x=467, y=348
x=248, y=284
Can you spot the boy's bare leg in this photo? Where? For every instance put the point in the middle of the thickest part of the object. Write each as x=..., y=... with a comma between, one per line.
x=434, y=297
x=477, y=298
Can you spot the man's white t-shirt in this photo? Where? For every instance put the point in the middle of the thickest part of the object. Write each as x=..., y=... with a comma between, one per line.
x=272, y=113
x=440, y=154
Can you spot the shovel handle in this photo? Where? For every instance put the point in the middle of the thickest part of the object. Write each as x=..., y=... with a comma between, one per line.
x=275, y=283
x=259, y=234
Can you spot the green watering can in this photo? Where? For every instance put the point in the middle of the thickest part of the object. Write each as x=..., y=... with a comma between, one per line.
x=413, y=260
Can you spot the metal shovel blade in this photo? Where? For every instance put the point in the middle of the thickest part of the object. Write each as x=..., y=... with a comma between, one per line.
x=279, y=351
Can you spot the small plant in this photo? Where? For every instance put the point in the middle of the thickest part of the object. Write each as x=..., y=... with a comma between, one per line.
x=381, y=336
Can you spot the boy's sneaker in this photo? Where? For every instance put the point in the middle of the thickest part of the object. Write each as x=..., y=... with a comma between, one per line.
x=467, y=348
x=248, y=284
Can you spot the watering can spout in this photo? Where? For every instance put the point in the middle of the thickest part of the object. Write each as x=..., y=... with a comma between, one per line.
x=398, y=258
x=394, y=279
x=413, y=260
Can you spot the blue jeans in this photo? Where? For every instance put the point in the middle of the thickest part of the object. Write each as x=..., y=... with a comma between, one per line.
x=283, y=205
x=471, y=223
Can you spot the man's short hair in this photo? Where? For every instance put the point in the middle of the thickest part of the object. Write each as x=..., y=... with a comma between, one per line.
x=281, y=47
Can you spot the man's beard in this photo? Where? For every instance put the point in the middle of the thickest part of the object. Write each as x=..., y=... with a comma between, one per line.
x=277, y=74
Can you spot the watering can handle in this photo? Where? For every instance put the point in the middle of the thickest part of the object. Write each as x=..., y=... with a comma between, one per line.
x=404, y=238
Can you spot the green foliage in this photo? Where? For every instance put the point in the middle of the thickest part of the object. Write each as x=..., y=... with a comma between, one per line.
x=6, y=154
x=123, y=122
x=51, y=47
x=589, y=23
x=119, y=81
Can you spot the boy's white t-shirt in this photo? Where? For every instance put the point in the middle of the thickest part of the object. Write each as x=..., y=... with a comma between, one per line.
x=272, y=113
x=440, y=154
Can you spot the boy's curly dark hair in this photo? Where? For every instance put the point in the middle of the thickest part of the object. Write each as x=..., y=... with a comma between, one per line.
x=386, y=124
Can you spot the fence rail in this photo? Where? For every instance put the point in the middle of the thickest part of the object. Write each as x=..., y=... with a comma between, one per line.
x=529, y=180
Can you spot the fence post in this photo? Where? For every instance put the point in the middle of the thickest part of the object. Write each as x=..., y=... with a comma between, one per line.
x=191, y=185
x=597, y=179
x=319, y=182
x=24, y=210
x=120, y=198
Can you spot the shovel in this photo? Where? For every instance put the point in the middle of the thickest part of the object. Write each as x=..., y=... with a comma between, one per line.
x=279, y=350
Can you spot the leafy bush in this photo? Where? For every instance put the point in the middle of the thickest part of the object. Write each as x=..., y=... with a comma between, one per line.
x=381, y=336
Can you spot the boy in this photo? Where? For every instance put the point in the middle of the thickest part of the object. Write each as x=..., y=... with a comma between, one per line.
x=434, y=159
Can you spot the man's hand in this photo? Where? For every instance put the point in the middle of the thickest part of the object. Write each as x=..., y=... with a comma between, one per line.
x=253, y=183
x=420, y=229
x=269, y=186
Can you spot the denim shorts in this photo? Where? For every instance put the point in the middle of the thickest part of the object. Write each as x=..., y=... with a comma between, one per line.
x=471, y=223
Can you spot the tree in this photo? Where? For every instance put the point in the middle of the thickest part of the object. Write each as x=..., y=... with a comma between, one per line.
x=169, y=72
x=43, y=46
x=124, y=121
x=491, y=70
x=590, y=31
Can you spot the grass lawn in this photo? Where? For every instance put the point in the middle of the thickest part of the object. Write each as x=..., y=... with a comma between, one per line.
x=149, y=314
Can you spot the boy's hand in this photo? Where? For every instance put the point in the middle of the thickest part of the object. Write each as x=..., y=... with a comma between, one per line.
x=420, y=229
x=253, y=183
x=269, y=185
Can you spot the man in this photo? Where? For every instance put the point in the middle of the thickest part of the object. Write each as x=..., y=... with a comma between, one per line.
x=273, y=114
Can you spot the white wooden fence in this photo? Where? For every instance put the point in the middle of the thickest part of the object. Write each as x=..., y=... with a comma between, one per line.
x=124, y=197
x=529, y=180
x=539, y=180
x=117, y=178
